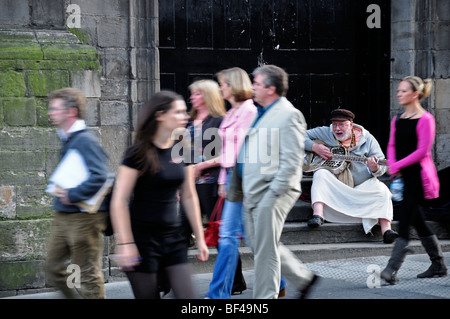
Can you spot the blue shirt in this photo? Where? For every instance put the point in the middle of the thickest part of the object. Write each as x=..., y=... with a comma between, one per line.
x=261, y=111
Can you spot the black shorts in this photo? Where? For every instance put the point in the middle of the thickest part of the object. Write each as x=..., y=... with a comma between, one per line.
x=159, y=247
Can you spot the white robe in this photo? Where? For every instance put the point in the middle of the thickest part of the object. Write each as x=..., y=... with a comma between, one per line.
x=365, y=203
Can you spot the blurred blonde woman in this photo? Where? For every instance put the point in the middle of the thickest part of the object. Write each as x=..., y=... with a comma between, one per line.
x=409, y=156
x=207, y=112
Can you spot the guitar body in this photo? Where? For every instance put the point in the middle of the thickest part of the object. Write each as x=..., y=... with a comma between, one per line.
x=337, y=164
x=313, y=162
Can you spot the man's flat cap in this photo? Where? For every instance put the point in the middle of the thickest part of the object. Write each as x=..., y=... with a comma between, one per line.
x=342, y=115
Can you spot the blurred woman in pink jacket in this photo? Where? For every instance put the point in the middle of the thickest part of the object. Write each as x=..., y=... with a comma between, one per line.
x=236, y=88
x=409, y=156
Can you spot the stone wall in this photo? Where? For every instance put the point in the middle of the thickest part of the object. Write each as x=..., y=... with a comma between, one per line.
x=32, y=64
x=109, y=52
x=420, y=45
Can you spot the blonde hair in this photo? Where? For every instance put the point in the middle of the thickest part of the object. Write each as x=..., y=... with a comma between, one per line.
x=212, y=97
x=239, y=82
x=419, y=85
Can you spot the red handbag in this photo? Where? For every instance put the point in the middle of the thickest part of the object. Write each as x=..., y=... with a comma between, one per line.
x=212, y=227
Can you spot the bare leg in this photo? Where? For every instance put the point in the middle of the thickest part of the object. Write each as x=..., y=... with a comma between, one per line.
x=385, y=225
x=388, y=234
x=317, y=219
x=318, y=209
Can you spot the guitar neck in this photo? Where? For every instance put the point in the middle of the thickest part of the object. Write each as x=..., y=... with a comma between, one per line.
x=353, y=158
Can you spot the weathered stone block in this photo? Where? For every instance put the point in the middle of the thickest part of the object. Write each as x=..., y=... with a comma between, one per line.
x=24, y=239
x=19, y=111
x=401, y=11
x=7, y=202
x=403, y=63
x=48, y=13
x=114, y=62
x=114, y=89
x=23, y=177
x=114, y=140
x=92, y=117
x=1, y=116
x=442, y=10
x=12, y=84
x=31, y=160
x=114, y=113
x=69, y=52
x=442, y=64
x=14, y=12
x=87, y=81
x=42, y=82
x=7, y=65
x=441, y=38
x=33, y=201
x=442, y=120
x=113, y=32
x=402, y=37
x=21, y=51
x=21, y=275
x=108, y=8
x=42, y=118
x=442, y=157
x=26, y=139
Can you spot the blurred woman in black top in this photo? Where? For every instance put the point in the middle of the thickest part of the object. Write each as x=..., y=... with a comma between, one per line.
x=146, y=228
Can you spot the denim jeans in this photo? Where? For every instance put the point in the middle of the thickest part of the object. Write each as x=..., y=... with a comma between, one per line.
x=230, y=233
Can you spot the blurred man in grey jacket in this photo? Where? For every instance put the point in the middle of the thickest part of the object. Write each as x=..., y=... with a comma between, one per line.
x=77, y=234
x=267, y=179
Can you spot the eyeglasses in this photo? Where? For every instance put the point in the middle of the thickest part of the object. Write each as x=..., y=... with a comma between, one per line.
x=51, y=109
x=341, y=124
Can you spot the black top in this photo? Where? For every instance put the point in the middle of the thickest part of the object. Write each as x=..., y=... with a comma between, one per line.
x=205, y=145
x=406, y=141
x=155, y=196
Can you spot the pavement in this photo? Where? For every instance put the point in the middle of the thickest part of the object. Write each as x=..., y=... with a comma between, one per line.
x=349, y=278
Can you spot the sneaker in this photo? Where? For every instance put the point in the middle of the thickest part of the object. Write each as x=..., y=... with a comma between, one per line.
x=315, y=221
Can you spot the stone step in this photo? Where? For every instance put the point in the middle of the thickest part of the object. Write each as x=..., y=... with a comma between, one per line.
x=316, y=252
x=301, y=212
x=330, y=241
x=299, y=233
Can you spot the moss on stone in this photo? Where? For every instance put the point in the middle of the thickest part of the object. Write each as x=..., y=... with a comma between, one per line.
x=69, y=52
x=24, y=239
x=20, y=275
x=21, y=51
x=82, y=35
x=42, y=82
x=12, y=84
x=19, y=111
x=7, y=65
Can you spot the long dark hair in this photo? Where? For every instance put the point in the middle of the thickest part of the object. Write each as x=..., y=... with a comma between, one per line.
x=143, y=150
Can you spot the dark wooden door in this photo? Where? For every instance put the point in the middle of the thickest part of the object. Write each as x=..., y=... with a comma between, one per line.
x=333, y=58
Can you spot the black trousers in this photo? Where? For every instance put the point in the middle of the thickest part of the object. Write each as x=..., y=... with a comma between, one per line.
x=410, y=212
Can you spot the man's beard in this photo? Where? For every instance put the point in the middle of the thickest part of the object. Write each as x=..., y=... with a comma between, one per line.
x=345, y=136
